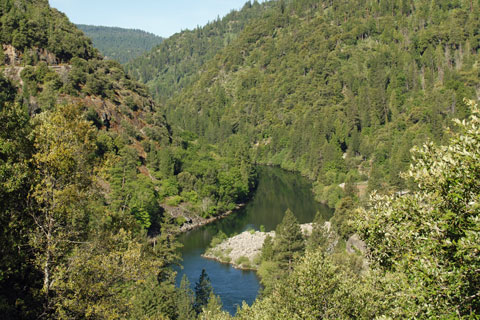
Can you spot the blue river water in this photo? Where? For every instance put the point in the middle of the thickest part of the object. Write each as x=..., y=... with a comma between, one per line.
x=277, y=191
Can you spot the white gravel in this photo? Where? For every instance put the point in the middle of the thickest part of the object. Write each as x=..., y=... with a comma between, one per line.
x=246, y=244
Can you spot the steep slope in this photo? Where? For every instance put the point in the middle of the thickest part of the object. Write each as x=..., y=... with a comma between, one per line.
x=120, y=44
x=125, y=115
x=33, y=24
x=88, y=164
x=175, y=63
x=338, y=91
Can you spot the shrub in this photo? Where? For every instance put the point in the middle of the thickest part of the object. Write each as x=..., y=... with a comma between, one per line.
x=219, y=238
x=180, y=220
x=243, y=261
x=174, y=201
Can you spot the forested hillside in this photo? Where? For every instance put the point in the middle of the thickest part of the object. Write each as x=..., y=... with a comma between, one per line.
x=423, y=249
x=88, y=165
x=175, y=63
x=339, y=91
x=120, y=44
x=92, y=167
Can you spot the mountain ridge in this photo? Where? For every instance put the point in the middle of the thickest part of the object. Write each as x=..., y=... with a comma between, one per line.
x=121, y=44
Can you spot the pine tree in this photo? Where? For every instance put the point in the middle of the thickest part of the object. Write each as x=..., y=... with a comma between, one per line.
x=203, y=288
x=267, y=248
x=185, y=300
x=289, y=242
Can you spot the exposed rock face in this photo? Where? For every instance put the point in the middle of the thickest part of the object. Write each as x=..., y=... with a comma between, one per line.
x=354, y=243
x=13, y=57
x=243, y=250
x=13, y=73
x=192, y=220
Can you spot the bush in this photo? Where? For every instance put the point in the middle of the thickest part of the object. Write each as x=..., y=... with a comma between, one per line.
x=174, y=201
x=219, y=238
x=243, y=261
x=180, y=221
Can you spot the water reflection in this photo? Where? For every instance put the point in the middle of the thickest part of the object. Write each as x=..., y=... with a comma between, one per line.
x=277, y=190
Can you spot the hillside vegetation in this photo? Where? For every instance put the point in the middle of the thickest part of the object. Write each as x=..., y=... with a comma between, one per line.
x=120, y=44
x=91, y=165
x=88, y=166
x=338, y=91
x=175, y=63
x=341, y=92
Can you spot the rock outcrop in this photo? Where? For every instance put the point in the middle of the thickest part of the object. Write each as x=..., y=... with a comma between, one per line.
x=243, y=250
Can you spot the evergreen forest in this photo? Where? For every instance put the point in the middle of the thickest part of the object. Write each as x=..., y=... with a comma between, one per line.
x=114, y=141
x=120, y=44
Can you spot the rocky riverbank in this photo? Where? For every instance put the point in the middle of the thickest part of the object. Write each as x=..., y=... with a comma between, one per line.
x=191, y=220
x=243, y=250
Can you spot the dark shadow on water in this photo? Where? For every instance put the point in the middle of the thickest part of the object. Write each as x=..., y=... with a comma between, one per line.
x=277, y=191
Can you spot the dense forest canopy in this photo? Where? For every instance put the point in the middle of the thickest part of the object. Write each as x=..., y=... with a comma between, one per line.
x=45, y=28
x=174, y=64
x=89, y=167
x=338, y=91
x=92, y=167
x=120, y=44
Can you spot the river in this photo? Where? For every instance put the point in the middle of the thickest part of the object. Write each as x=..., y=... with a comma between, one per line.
x=277, y=190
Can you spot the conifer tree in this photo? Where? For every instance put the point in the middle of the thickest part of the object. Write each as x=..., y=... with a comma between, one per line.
x=203, y=288
x=289, y=242
x=267, y=248
x=185, y=300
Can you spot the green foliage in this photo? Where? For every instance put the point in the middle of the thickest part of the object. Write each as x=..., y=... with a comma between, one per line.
x=208, y=180
x=203, y=291
x=267, y=248
x=337, y=91
x=243, y=261
x=96, y=282
x=174, y=201
x=280, y=254
x=154, y=300
x=120, y=44
x=180, y=221
x=423, y=248
x=17, y=300
x=185, y=300
x=174, y=63
x=29, y=24
x=218, y=238
x=213, y=310
x=429, y=237
x=318, y=289
x=319, y=238
x=323, y=89
x=79, y=259
x=61, y=189
x=289, y=243
x=342, y=220
x=7, y=92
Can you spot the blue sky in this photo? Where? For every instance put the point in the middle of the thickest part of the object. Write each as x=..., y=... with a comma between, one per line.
x=161, y=17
